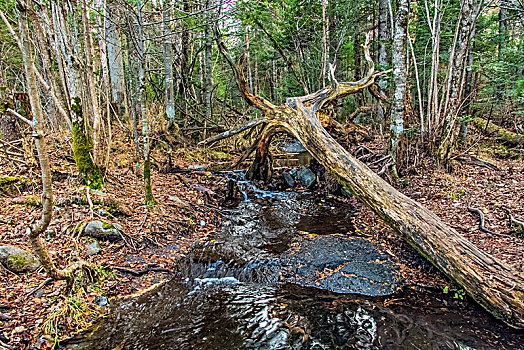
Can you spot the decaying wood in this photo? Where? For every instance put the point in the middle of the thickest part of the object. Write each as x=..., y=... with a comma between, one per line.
x=475, y=161
x=500, y=134
x=492, y=284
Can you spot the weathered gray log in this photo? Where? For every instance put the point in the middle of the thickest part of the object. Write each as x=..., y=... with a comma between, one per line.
x=232, y=132
x=492, y=284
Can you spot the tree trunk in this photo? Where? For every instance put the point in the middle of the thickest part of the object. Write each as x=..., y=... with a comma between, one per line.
x=114, y=55
x=453, y=103
x=149, y=199
x=38, y=133
x=500, y=134
x=91, y=92
x=168, y=65
x=489, y=282
x=399, y=77
x=208, y=73
x=383, y=38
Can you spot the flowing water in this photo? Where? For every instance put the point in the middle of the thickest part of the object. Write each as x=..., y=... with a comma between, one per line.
x=286, y=271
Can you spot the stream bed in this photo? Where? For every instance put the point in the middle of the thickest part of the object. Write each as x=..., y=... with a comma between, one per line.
x=287, y=271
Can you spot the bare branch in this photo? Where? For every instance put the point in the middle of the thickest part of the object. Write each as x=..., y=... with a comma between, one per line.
x=19, y=116
x=232, y=132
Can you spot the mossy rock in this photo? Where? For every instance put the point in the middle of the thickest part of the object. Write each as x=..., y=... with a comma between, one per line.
x=103, y=230
x=10, y=184
x=18, y=260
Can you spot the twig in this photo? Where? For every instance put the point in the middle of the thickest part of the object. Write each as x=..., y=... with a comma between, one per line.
x=514, y=221
x=89, y=201
x=40, y=286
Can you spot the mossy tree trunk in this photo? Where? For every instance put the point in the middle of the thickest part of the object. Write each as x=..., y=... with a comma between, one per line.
x=82, y=148
x=495, y=286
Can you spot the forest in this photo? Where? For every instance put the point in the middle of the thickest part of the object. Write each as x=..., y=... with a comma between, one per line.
x=274, y=174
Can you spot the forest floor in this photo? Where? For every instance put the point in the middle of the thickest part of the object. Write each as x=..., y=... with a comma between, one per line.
x=188, y=210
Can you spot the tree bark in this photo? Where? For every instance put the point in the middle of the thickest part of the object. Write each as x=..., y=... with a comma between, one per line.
x=208, y=84
x=492, y=284
x=149, y=199
x=453, y=98
x=114, y=55
x=38, y=133
x=91, y=92
x=500, y=134
x=399, y=77
x=168, y=65
x=383, y=38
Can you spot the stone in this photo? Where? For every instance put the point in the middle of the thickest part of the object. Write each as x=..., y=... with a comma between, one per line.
x=18, y=260
x=306, y=177
x=92, y=247
x=290, y=181
x=103, y=230
x=100, y=300
x=293, y=147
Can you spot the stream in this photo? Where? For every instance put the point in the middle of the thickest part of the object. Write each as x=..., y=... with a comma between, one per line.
x=288, y=271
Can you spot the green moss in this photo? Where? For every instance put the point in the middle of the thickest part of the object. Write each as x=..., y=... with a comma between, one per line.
x=82, y=148
x=16, y=262
x=106, y=225
x=150, y=200
x=9, y=183
x=32, y=201
x=221, y=155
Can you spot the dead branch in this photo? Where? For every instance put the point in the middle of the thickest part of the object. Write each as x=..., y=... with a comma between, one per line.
x=232, y=132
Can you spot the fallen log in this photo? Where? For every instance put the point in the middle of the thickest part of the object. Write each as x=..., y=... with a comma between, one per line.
x=500, y=134
x=492, y=284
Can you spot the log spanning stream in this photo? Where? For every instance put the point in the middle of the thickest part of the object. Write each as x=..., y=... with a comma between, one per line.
x=287, y=271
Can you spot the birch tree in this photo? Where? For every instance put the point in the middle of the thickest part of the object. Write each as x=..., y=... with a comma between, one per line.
x=399, y=78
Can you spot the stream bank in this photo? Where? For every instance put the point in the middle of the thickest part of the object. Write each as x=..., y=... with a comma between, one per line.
x=289, y=271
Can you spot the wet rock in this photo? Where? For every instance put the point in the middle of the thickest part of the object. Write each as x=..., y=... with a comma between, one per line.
x=100, y=300
x=18, y=260
x=306, y=177
x=341, y=265
x=103, y=230
x=293, y=147
x=92, y=247
x=290, y=181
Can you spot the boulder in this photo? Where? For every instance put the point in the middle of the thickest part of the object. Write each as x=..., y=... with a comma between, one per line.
x=103, y=230
x=306, y=177
x=18, y=260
